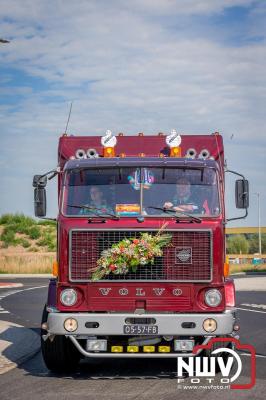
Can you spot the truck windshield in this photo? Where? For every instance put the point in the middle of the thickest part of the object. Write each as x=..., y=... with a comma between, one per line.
x=140, y=191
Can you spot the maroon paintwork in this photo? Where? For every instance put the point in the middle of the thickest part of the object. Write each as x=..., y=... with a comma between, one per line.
x=192, y=298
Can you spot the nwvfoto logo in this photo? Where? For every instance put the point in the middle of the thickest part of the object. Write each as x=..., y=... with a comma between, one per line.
x=206, y=366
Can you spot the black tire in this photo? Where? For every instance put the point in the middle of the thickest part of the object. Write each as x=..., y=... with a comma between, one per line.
x=59, y=355
x=224, y=355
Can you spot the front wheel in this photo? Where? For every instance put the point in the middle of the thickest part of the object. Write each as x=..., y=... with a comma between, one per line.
x=60, y=355
x=223, y=354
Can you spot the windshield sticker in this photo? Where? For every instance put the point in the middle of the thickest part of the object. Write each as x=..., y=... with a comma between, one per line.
x=127, y=209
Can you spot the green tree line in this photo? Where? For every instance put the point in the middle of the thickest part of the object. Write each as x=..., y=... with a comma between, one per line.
x=240, y=244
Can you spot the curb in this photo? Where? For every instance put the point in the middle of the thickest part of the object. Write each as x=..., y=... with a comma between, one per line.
x=252, y=273
x=17, y=345
x=26, y=276
x=10, y=285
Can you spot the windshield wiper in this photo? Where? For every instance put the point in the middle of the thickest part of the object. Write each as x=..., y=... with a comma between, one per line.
x=177, y=214
x=93, y=210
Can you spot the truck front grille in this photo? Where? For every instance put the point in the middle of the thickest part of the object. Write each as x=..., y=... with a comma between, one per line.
x=187, y=258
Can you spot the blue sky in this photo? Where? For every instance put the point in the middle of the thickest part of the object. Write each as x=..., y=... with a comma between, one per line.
x=198, y=66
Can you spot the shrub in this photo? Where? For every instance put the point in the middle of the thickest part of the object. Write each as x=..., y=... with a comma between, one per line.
x=48, y=240
x=24, y=242
x=8, y=237
x=34, y=232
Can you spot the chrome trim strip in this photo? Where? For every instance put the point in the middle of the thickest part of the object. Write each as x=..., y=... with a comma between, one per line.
x=138, y=230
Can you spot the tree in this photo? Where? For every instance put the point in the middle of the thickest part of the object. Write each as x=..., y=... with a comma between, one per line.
x=237, y=244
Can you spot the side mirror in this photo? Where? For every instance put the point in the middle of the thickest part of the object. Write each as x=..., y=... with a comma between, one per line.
x=242, y=193
x=40, y=202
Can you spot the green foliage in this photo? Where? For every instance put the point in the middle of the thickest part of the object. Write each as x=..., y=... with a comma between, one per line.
x=254, y=243
x=34, y=232
x=24, y=242
x=8, y=237
x=44, y=231
x=237, y=244
x=21, y=219
x=48, y=240
x=46, y=222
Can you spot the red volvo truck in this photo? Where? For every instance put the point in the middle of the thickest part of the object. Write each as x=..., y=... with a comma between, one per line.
x=110, y=297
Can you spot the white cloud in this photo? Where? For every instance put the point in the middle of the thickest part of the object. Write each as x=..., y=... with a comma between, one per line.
x=129, y=66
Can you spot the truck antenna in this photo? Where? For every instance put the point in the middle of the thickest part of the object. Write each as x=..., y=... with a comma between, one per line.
x=69, y=114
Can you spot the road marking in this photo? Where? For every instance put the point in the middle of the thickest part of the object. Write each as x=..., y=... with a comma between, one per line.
x=257, y=355
x=246, y=309
x=263, y=306
x=11, y=292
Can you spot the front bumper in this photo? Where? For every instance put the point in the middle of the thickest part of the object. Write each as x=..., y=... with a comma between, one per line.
x=168, y=324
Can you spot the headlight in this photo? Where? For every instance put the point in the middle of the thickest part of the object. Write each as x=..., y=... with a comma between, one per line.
x=213, y=298
x=71, y=324
x=209, y=325
x=68, y=297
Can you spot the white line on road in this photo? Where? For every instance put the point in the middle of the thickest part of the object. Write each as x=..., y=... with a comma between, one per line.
x=257, y=355
x=246, y=309
x=10, y=292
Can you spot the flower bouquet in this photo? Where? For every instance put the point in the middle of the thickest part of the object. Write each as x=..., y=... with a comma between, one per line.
x=130, y=254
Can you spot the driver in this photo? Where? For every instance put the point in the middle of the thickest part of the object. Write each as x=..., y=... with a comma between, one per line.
x=182, y=200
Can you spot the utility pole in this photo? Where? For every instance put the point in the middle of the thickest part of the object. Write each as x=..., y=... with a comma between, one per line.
x=259, y=227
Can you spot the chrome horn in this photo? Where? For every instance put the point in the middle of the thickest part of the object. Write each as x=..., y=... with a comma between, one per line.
x=92, y=153
x=191, y=153
x=204, y=154
x=80, y=153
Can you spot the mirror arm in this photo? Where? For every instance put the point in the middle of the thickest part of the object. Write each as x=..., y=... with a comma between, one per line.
x=233, y=219
x=235, y=173
x=54, y=172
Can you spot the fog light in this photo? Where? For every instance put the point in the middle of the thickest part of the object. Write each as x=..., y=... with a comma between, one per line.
x=132, y=349
x=213, y=298
x=96, y=345
x=236, y=327
x=68, y=297
x=117, y=349
x=209, y=325
x=148, y=349
x=71, y=324
x=184, y=345
x=164, y=349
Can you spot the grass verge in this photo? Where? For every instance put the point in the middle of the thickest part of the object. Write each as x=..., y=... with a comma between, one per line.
x=246, y=268
x=27, y=263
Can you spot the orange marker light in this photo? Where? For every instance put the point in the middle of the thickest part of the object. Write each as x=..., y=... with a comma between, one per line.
x=108, y=152
x=175, y=152
x=55, y=268
x=141, y=154
x=226, y=267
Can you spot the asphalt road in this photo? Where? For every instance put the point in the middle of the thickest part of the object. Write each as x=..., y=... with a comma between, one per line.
x=119, y=379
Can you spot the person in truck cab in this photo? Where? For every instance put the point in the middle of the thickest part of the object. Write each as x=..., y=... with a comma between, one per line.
x=97, y=202
x=184, y=201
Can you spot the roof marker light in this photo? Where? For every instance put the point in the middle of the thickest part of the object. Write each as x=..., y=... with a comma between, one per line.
x=108, y=142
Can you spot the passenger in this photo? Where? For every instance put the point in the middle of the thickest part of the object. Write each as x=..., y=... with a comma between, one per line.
x=97, y=202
